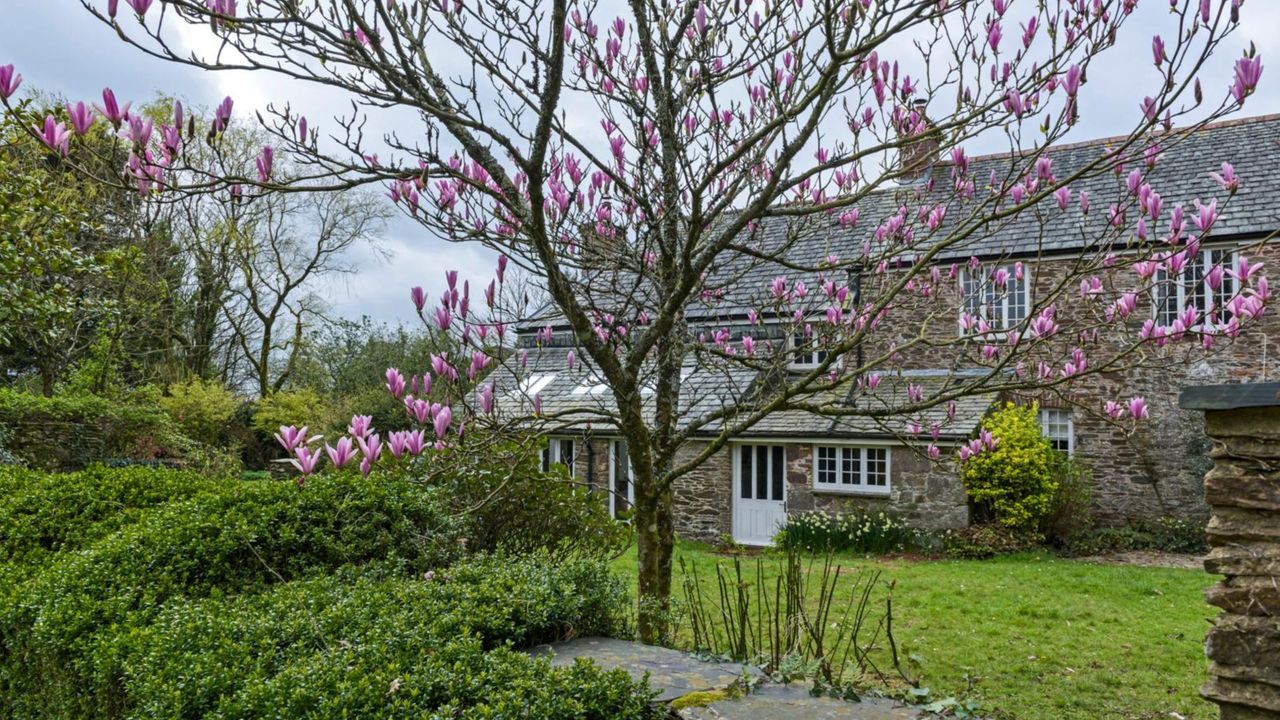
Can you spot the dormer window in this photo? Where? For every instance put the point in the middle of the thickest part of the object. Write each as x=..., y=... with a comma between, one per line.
x=997, y=299
x=806, y=352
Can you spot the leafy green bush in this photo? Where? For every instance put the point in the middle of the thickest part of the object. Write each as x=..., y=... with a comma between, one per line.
x=73, y=431
x=369, y=642
x=1070, y=512
x=240, y=537
x=1013, y=482
x=293, y=407
x=857, y=532
x=512, y=506
x=202, y=409
x=980, y=542
x=1164, y=534
x=41, y=513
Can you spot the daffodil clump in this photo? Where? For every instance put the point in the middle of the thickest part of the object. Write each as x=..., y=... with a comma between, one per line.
x=856, y=531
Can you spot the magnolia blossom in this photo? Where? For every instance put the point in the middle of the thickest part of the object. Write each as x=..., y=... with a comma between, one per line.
x=291, y=437
x=306, y=460
x=341, y=454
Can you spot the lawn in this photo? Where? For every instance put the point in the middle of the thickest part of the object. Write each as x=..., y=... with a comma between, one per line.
x=1037, y=637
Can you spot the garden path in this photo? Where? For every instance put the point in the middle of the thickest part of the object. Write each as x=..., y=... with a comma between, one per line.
x=701, y=690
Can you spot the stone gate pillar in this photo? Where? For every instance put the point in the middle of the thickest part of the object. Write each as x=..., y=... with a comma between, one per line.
x=1243, y=493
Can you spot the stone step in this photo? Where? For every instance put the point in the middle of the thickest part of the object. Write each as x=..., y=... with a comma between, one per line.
x=705, y=690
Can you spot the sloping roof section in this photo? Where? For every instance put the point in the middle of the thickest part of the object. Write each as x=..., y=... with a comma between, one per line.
x=575, y=399
x=1181, y=175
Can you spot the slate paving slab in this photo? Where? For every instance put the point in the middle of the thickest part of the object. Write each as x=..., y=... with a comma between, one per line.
x=793, y=702
x=672, y=672
x=676, y=674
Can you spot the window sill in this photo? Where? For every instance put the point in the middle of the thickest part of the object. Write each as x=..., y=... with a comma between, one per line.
x=861, y=490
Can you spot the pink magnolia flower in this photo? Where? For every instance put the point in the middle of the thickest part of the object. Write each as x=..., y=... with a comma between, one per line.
x=371, y=448
x=1113, y=409
x=263, y=163
x=398, y=443
x=486, y=399
x=81, y=118
x=1137, y=406
x=361, y=426
x=342, y=454
x=9, y=82
x=139, y=6
x=415, y=441
x=1248, y=71
x=306, y=460
x=55, y=136
x=291, y=437
x=395, y=383
x=1227, y=179
x=444, y=418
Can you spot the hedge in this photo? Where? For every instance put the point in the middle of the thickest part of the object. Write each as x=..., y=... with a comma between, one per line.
x=377, y=645
x=42, y=513
x=242, y=537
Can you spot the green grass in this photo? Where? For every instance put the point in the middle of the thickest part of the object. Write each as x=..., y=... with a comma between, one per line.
x=1037, y=637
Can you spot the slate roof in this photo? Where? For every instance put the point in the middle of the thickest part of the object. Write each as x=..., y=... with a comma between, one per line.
x=1251, y=145
x=575, y=399
x=1181, y=175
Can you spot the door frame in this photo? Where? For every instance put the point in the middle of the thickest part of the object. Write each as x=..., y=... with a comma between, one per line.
x=735, y=480
x=614, y=446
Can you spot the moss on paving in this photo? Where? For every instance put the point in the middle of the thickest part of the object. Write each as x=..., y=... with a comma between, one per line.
x=1038, y=637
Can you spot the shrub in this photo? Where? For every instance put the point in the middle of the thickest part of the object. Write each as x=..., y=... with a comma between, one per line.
x=240, y=537
x=980, y=542
x=73, y=431
x=293, y=407
x=42, y=513
x=1163, y=534
x=374, y=643
x=202, y=409
x=1070, y=512
x=511, y=505
x=1014, y=481
x=857, y=532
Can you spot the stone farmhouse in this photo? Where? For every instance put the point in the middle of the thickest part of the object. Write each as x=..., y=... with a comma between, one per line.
x=794, y=462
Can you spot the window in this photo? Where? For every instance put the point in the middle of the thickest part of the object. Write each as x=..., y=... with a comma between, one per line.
x=806, y=352
x=1191, y=289
x=1000, y=298
x=622, y=490
x=762, y=472
x=847, y=468
x=559, y=451
x=1056, y=426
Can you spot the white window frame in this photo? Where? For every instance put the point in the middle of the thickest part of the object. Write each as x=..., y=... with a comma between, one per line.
x=1185, y=291
x=1001, y=325
x=615, y=449
x=553, y=454
x=1046, y=418
x=861, y=486
x=813, y=356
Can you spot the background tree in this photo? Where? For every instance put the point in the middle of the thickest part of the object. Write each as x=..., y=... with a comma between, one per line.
x=723, y=139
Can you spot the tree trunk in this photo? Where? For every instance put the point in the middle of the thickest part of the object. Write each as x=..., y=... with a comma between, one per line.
x=655, y=533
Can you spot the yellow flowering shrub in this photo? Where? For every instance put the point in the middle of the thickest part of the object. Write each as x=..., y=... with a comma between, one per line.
x=1014, y=481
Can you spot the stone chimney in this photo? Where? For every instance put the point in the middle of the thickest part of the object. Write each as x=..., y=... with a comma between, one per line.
x=919, y=150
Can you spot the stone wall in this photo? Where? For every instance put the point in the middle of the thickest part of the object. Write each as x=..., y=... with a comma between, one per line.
x=920, y=494
x=1243, y=493
x=1158, y=470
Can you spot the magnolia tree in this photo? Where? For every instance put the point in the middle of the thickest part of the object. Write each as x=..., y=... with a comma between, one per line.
x=661, y=172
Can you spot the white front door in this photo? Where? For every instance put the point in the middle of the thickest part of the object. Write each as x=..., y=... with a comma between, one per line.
x=759, y=493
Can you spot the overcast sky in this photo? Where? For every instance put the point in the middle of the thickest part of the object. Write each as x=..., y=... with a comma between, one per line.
x=58, y=47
